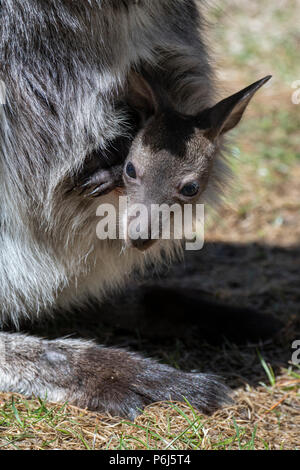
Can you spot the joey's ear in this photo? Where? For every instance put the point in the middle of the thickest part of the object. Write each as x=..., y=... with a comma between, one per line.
x=141, y=95
x=146, y=95
x=225, y=115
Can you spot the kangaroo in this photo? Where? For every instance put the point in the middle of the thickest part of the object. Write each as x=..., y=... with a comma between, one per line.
x=66, y=67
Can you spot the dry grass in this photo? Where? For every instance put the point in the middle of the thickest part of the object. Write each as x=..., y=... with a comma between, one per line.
x=263, y=418
x=252, y=39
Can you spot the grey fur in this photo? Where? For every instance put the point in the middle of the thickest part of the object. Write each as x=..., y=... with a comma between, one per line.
x=65, y=66
x=109, y=380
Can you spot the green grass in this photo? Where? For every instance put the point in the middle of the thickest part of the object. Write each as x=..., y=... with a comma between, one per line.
x=268, y=370
x=59, y=421
x=192, y=437
x=17, y=427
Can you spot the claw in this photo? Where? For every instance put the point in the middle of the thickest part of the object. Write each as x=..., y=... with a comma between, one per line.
x=94, y=192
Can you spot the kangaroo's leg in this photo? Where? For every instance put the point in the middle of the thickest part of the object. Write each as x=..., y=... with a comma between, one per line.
x=90, y=376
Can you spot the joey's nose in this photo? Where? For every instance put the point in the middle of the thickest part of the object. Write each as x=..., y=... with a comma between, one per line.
x=142, y=244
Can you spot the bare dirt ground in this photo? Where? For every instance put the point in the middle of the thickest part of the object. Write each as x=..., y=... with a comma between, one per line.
x=251, y=258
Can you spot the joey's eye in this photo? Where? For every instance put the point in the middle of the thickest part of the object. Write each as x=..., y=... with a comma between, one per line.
x=190, y=189
x=130, y=170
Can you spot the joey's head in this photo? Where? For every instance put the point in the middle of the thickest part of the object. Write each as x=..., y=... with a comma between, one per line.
x=172, y=158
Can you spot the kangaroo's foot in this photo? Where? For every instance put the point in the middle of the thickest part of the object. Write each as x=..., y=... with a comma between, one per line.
x=107, y=380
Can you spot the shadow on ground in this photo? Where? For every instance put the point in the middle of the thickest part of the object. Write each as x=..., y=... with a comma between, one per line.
x=202, y=313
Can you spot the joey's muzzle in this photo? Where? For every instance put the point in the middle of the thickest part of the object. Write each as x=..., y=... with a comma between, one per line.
x=145, y=224
x=139, y=231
